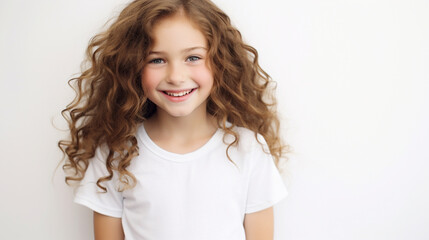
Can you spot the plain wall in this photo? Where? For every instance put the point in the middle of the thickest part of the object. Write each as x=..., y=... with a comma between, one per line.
x=353, y=92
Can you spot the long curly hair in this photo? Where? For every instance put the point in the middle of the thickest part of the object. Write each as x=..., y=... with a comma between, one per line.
x=110, y=102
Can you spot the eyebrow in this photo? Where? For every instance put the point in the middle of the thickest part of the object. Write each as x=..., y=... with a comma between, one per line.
x=183, y=51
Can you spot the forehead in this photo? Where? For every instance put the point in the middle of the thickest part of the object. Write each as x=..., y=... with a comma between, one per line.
x=177, y=32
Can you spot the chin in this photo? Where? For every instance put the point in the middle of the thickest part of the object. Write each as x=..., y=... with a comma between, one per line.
x=178, y=114
x=184, y=111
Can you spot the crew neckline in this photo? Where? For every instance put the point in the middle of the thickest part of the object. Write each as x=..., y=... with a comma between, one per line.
x=214, y=140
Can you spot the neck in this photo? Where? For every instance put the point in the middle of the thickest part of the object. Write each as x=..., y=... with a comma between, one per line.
x=162, y=126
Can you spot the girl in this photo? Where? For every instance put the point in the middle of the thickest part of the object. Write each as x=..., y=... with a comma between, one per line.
x=173, y=131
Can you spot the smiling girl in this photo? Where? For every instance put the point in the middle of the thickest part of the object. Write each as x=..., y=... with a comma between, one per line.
x=171, y=137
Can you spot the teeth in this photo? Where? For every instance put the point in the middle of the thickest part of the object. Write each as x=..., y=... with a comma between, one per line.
x=179, y=94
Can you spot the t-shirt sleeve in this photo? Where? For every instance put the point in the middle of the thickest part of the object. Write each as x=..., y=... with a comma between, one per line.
x=266, y=186
x=90, y=195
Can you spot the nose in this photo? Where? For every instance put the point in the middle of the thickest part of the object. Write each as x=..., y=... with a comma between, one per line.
x=176, y=73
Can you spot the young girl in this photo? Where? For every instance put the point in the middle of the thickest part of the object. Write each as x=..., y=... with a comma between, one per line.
x=174, y=134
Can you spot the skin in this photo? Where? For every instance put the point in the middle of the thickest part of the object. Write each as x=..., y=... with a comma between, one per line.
x=175, y=66
x=259, y=225
x=107, y=228
x=181, y=126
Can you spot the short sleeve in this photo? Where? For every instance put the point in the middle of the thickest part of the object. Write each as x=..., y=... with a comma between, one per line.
x=90, y=195
x=266, y=187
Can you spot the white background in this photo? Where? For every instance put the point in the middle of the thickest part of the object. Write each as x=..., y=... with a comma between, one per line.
x=353, y=91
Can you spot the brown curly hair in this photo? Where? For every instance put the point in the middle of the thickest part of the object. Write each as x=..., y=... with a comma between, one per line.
x=110, y=102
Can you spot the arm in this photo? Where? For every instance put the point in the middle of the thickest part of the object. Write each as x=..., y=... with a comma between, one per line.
x=259, y=225
x=107, y=228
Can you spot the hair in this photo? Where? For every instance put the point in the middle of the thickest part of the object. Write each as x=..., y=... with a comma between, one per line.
x=110, y=102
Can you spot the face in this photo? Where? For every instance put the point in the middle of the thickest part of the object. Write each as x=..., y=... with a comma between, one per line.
x=176, y=76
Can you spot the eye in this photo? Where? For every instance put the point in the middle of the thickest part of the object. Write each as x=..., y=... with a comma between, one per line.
x=156, y=61
x=193, y=58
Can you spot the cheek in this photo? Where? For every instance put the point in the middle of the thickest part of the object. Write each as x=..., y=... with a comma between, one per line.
x=150, y=79
x=203, y=75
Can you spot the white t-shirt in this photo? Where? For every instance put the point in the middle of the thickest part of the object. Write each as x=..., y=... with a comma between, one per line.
x=193, y=196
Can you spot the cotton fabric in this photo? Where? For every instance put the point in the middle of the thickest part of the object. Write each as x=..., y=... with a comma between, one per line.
x=193, y=196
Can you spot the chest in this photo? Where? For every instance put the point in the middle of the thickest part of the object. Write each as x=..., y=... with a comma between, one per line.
x=202, y=185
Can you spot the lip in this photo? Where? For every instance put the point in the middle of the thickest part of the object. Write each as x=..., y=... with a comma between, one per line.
x=181, y=98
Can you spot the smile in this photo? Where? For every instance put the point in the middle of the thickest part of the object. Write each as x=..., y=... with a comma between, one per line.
x=178, y=94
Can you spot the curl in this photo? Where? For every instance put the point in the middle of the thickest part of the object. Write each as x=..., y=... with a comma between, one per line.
x=110, y=102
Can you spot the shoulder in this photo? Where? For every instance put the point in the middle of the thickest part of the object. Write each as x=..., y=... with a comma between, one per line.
x=100, y=155
x=249, y=136
x=248, y=140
